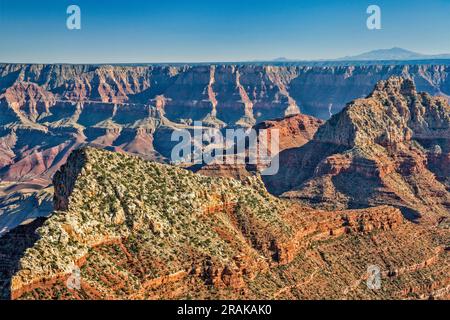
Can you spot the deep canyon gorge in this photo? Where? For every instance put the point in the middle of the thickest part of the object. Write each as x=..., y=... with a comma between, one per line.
x=86, y=181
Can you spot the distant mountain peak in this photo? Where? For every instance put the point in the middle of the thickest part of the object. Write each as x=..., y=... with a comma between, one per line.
x=395, y=53
x=281, y=59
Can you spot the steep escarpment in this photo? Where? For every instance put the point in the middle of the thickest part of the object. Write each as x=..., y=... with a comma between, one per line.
x=138, y=229
x=49, y=109
x=389, y=148
x=192, y=91
x=103, y=197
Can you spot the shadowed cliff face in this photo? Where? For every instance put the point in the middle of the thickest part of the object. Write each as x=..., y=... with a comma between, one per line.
x=391, y=147
x=12, y=248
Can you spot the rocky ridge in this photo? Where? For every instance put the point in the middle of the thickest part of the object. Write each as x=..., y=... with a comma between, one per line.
x=139, y=229
x=394, y=145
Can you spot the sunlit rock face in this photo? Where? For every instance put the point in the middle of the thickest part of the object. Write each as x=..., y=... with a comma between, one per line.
x=135, y=229
x=389, y=148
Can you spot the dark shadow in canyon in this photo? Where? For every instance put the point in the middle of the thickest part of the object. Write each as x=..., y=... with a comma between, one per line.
x=12, y=248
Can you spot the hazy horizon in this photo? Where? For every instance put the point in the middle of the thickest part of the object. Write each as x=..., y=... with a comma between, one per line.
x=201, y=31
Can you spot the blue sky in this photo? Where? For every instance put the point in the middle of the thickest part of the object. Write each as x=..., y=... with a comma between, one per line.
x=135, y=31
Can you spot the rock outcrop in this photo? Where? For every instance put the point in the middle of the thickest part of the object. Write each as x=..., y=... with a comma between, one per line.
x=141, y=230
x=389, y=148
x=292, y=131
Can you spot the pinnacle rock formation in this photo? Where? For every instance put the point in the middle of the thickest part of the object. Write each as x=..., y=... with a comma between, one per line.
x=392, y=147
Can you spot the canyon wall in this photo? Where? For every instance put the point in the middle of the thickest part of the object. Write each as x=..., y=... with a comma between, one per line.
x=230, y=92
x=47, y=111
